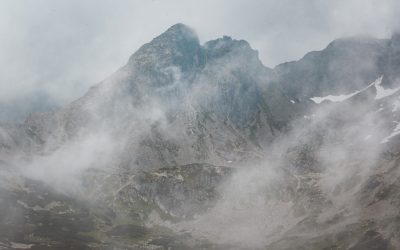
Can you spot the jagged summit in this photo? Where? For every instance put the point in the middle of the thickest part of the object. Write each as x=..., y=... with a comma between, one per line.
x=176, y=35
x=225, y=45
x=180, y=30
x=178, y=46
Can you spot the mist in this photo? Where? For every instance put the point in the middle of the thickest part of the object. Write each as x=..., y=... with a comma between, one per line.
x=132, y=133
x=271, y=197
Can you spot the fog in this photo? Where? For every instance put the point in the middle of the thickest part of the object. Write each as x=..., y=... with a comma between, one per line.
x=112, y=148
x=269, y=198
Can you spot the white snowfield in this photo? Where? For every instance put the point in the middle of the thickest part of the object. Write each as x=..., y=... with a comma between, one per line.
x=380, y=93
x=333, y=98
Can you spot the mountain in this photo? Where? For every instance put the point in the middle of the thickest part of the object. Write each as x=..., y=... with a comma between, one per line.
x=344, y=66
x=200, y=146
x=211, y=93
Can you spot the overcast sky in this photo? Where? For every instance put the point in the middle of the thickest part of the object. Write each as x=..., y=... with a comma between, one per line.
x=63, y=47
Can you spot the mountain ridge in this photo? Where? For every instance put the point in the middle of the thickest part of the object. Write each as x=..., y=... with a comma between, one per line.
x=187, y=142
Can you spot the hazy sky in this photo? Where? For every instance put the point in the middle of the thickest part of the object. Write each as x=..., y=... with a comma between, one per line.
x=63, y=47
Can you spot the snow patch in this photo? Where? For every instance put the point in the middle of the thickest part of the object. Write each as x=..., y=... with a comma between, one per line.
x=333, y=98
x=292, y=101
x=381, y=92
x=16, y=245
x=341, y=98
x=162, y=174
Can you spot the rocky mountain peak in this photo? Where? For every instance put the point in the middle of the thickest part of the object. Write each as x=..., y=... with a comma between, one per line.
x=344, y=66
x=178, y=46
x=226, y=46
x=179, y=31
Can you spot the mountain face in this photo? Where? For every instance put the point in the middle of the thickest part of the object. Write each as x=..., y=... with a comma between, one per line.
x=192, y=146
x=346, y=65
x=210, y=93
